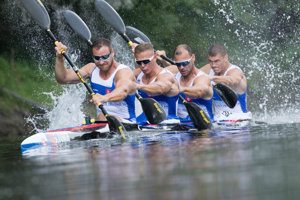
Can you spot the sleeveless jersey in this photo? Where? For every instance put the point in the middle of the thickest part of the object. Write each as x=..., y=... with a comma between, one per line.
x=169, y=104
x=205, y=105
x=222, y=111
x=124, y=109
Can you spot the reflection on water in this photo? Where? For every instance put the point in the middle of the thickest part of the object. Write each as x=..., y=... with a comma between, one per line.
x=259, y=162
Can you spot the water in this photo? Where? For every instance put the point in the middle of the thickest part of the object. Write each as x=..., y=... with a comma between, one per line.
x=259, y=162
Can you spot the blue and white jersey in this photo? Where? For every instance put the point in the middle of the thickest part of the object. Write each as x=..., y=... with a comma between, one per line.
x=205, y=105
x=222, y=111
x=169, y=104
x=124, y=109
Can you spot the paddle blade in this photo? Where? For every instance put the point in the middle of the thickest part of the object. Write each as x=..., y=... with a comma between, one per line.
x=77, y=24
x=38, y=12
x=136, y=35
x=153, y=110
x=117, y=126
x=226, y=94
x=110, y=16
x=200, y=120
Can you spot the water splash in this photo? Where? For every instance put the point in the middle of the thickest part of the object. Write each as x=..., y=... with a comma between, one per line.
x=67, y=110
x=271, y=69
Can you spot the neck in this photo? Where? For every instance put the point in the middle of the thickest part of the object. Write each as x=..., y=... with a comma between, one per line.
x=227, y=64
x=154, y=72
x=105, y=74
x=188, y=78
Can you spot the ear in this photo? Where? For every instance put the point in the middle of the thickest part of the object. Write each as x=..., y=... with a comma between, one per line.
x=112, y=52
x=193, y=57
x=226, y=57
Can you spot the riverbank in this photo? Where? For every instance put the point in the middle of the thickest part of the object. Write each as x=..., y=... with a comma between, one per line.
x=14, y=110
x=21, y=83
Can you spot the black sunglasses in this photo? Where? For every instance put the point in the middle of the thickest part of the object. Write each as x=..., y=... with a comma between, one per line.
x=145, y=62
x=183, y=63
x=103, y=58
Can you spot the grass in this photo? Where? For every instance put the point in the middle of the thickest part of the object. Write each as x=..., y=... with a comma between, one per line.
x=26, y=79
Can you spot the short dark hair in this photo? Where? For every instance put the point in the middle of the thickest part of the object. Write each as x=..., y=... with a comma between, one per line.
x=145, y=46
x=217, y=48
x=101, y=43
x=186, y=47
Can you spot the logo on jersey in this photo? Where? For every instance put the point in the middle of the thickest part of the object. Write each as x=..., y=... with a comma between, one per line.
x=108, y=91
x=188, y=99
x=226, y=113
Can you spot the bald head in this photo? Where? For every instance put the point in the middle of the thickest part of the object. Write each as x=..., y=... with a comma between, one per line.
x=180, y=48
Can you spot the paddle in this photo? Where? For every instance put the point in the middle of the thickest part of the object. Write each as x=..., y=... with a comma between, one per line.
x=152, y=109
x=41, y=16
x=200, y=120
x=113, y=18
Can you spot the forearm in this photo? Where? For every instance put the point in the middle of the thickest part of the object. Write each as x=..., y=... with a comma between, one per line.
x=60, y=69
x=228, y=80
x=117, y=94
x=195, y=92
x=154, y=88
x=122, y=90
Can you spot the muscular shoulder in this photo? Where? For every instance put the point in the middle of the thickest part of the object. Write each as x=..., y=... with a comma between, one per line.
x=125, y=73
x=202, y=79
x=166, y=76
x=136, y=72
x=206, y=68
x=235, y=71
x=173, y=69
x=87, y=69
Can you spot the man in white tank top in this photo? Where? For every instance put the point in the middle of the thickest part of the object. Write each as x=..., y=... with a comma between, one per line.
x=112, y=82
x=154, y=81
x=194, y=84
x=220, y=70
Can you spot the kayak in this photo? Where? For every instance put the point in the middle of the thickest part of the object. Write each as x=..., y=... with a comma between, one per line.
x=89, y=131
x=102, y=130
x=54, y=137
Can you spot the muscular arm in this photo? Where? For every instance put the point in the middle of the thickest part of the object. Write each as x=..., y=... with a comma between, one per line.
x=68, y=76
x=165, y=84
x=201, y=88
x=234, y=78
x=64, y=75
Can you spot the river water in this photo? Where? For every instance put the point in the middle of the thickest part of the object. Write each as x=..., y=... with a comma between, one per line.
x=261, y=161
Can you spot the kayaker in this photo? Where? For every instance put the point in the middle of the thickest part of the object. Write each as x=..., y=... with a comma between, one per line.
x=194, y=84
x=220, y=70
x=113, y=83
x=155, y=82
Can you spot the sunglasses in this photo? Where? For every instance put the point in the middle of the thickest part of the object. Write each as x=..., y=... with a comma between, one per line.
x=103, y=58
x=145, y=62
x=183, y=63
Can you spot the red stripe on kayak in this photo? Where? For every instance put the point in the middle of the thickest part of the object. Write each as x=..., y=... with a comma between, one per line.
x=78, y=127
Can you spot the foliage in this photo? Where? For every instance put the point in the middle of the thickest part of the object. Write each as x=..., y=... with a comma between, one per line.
x=26, y=79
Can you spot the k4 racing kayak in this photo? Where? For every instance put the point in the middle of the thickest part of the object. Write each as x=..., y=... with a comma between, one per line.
x=90, y=131
x=102, y=130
